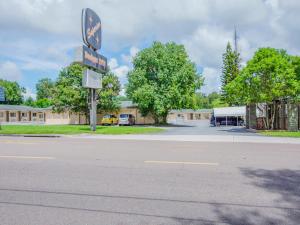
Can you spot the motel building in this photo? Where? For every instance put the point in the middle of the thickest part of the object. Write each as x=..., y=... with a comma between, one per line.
x=19, y=114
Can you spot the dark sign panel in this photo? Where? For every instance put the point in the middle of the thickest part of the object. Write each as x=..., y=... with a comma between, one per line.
x=91, y=29
x=2, y=94
x=93, y=59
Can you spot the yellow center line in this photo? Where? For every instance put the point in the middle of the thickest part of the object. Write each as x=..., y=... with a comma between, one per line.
x=25, y=157
x=184, y=163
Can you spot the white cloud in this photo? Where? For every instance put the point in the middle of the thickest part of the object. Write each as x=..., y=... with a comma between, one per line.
x=121, y=71
x=10, y=71
x=212, y=80
x=122, y=92
x=42, y=33
x=127, y=59
x=29, y=93
x=207, y=44
x=113, y=63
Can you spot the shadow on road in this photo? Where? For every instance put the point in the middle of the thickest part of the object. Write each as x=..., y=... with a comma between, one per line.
x=285, y=183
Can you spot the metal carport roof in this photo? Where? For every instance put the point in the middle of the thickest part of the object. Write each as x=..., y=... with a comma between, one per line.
x=230, y=111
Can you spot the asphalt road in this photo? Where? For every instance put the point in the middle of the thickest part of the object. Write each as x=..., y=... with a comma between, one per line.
x=65, y=181
x=202, y=127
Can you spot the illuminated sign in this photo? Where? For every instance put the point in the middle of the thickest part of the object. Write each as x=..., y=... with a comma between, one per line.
x=91, y=29
x=2, y=94
x=91, y=79
x=93, y=59
x=90, y=58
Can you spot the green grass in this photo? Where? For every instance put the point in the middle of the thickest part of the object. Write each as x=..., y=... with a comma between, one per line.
x=75, y=129
x=281, y=133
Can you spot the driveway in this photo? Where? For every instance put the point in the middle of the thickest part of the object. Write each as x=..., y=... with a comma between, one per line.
x=202, y=127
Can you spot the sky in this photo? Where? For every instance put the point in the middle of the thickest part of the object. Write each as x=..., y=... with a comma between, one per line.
x=38, y=37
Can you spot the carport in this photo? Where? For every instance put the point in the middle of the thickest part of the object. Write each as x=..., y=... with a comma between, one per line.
x=233, y=116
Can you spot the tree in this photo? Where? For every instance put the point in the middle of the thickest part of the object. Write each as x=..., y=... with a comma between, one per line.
x=108, y=95
x=123, y=98
x=68, y=93
x=29, y=102
x=296, y=63
x=43, y=103
x=44, y=88
x=13, y=92
x=269, y=76
x=212, y=100
x=230, y=70
x=163, y=78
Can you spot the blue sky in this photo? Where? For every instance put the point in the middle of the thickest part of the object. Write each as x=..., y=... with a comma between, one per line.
x=38, y=37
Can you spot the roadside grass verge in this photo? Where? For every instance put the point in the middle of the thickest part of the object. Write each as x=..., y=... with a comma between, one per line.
x=75, y=129
x=294, y=134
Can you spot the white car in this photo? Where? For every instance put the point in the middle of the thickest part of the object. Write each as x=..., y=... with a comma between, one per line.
x=126, y=119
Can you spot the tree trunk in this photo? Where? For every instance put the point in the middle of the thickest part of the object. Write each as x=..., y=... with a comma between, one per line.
x=164, y=119
x=273, y=115
x=267, y=117
x=156, y=118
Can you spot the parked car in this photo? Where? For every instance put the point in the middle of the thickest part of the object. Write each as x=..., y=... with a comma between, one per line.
x=126, y=119
x=109, y=119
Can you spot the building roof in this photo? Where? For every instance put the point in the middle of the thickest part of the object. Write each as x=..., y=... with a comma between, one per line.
x=22, y=108
x=230, y=111
x=191, y=111
x=128, y=104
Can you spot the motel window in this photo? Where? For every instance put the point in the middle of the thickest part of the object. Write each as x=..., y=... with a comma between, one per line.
x=1, y=114
x=41, y=116
x=33, y=114
x=24, y=114
x=12, y=114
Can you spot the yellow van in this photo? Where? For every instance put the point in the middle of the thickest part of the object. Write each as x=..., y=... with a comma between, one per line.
x=109, y=119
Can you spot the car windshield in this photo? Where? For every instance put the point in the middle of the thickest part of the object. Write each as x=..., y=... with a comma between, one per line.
x=106, y=116
x=124, y=116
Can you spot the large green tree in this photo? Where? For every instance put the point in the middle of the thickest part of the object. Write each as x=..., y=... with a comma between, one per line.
x=163, y=78
x=269, y=76
x=230, y=70
x=44, y=88
x=108, y=95
x=13, y=92
x=69, y=94
x=209, y=101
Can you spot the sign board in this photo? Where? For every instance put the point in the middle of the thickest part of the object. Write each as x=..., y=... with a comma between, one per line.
x=91, y=29
x=91, y=58
x=2, y=94
x=91, y=79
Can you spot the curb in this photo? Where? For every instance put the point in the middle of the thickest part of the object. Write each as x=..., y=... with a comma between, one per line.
x=30, y=135
x=198, y=138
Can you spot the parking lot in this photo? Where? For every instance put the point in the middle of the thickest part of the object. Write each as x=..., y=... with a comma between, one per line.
x=202, y=127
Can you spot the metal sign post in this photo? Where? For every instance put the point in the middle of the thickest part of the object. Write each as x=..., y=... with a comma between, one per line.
x=93, y=109
x=92, y=37
x=2, y=99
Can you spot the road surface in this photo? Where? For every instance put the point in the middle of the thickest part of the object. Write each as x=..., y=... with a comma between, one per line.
x=80, y=181
x=202, y=127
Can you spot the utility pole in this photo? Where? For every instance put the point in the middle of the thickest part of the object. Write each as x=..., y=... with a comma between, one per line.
x=235, y=39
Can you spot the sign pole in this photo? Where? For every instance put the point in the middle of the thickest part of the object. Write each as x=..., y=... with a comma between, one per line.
x=92, y=36
x=93, y=110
